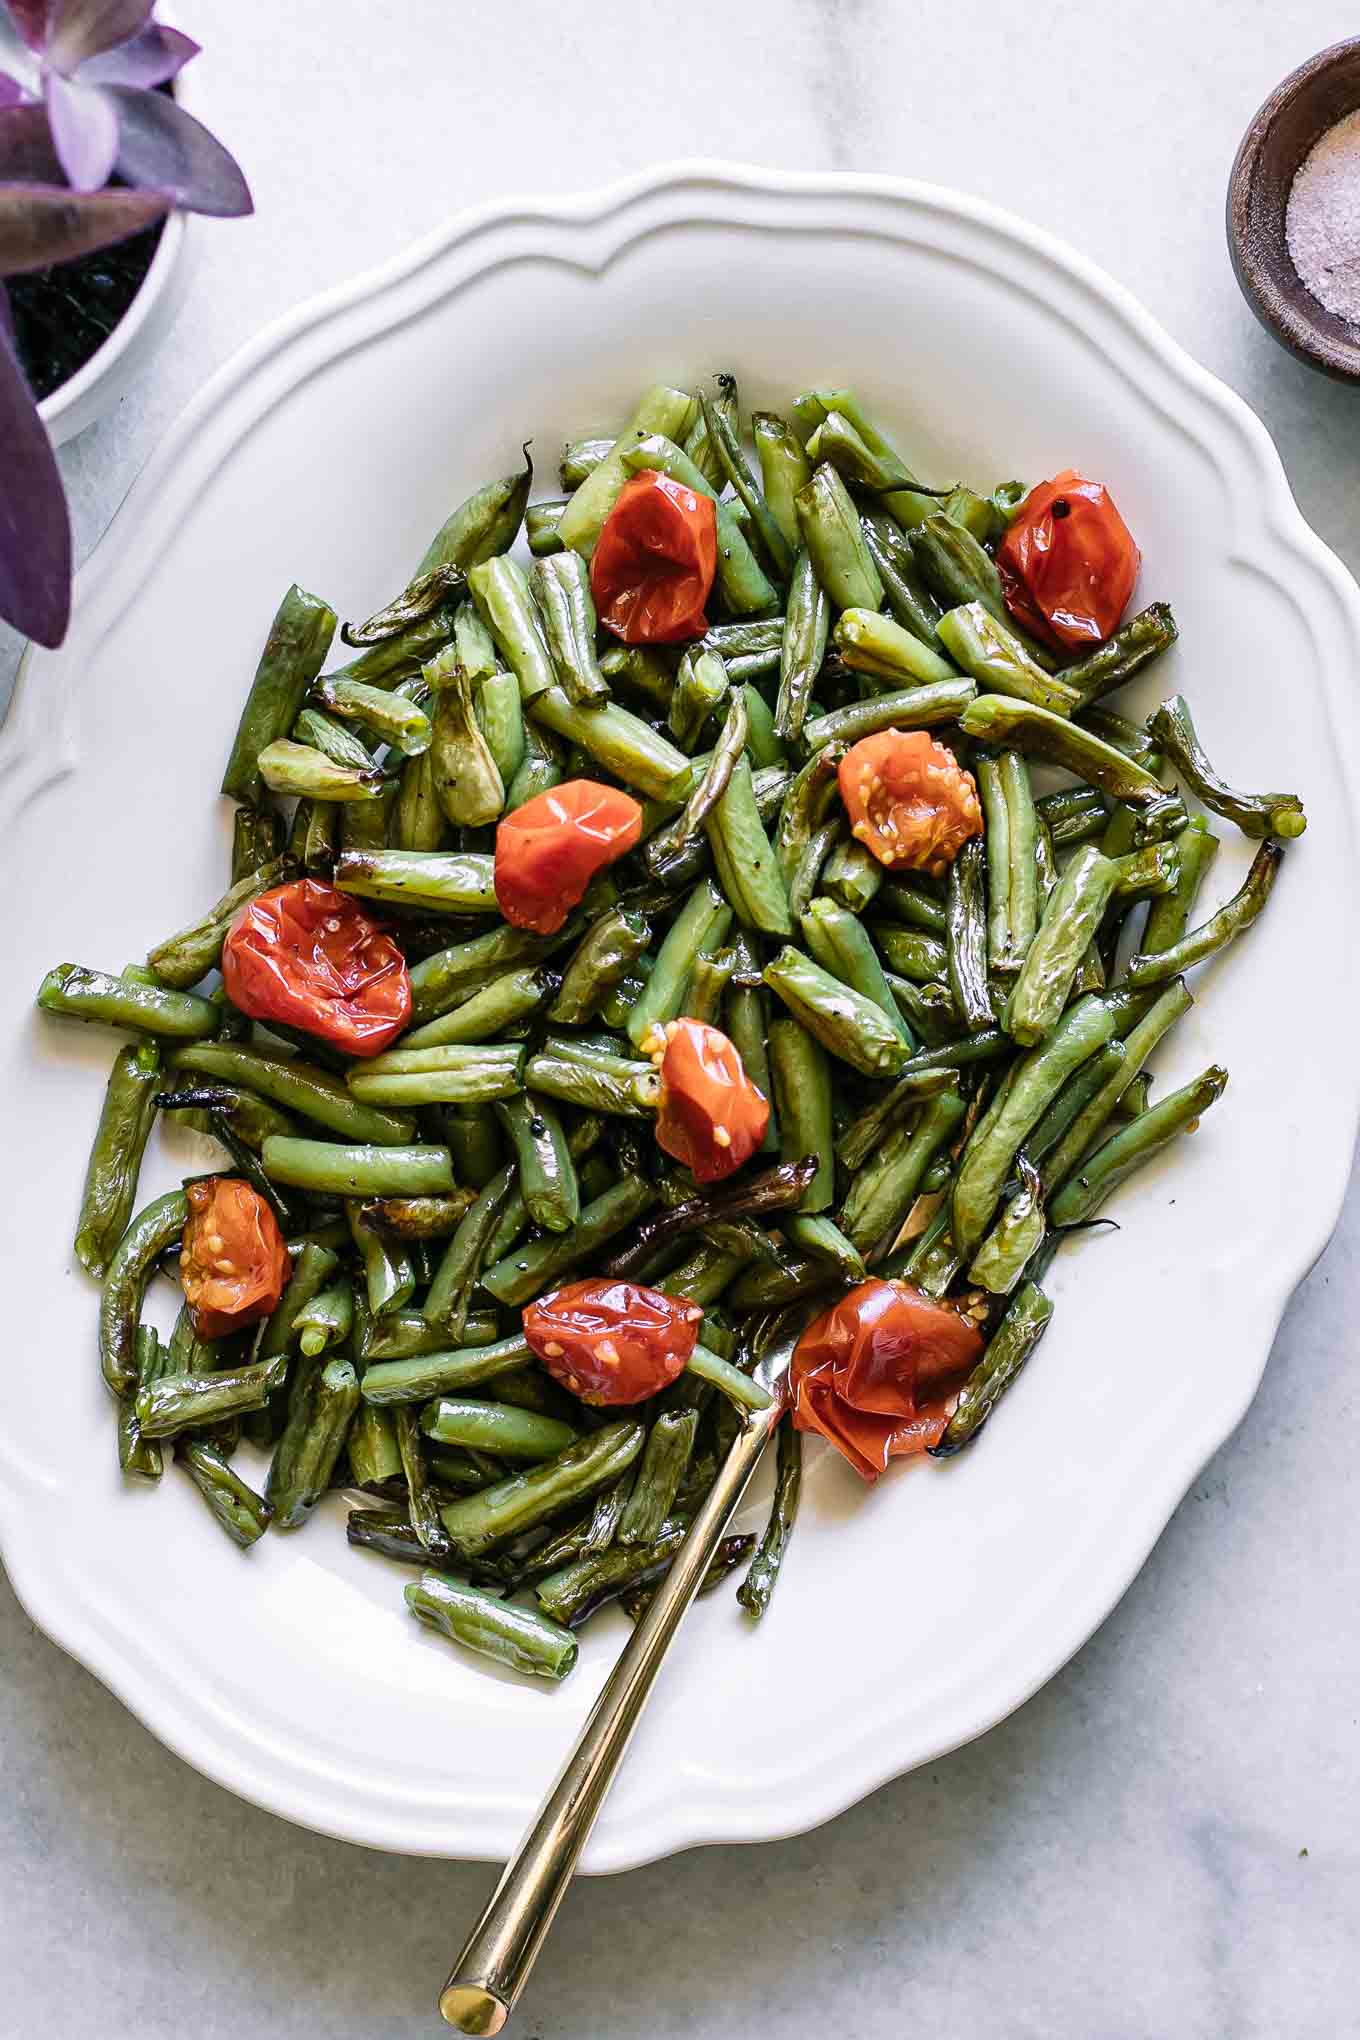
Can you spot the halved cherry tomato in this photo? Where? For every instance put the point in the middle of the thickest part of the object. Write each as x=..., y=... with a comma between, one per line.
x=548, y=851
x=653, y=565
x=1068, y=563
x=233, y=1262
x=710, y=1115
x=311, y=957
x=909, y=800
x=876, y=1373
x=610, y=1341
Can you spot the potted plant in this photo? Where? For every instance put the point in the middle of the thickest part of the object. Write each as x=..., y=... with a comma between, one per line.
x=97, y=161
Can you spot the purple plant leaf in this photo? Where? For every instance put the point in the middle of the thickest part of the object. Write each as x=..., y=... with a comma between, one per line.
x=35, y=531
x=84, y=129
x=151, y=58
x=30, y=18
x=41, y=224
x=18, y=64
x=79, y=29
x=26, y=152
x=10, y=93
x=163, y=148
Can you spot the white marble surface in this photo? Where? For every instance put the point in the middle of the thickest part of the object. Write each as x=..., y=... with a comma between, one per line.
x=1163, y=1842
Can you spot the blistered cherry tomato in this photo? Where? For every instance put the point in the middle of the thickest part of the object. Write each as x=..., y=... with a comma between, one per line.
x=876, y=1373
x=311, y=957
x=710, y=1115
x=233, y=1262
x=909, y=800
x=652, y=569
x=610, y=1341
x=548, y=851
x=1068, y=563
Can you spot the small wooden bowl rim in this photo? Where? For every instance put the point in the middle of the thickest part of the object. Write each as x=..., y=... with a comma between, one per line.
x=1298, y=112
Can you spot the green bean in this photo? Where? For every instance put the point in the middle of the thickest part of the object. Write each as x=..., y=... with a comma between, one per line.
x=1073, y=815
x=115, y=1163
x=850, y=1026
x=450, y=977
x=467, y=779
x=699, y=692
x=389, y=1271
x=482, y=526
x=257, y=838
x=840, y=432
x=500, y=716
x=501, y=1004
x=448, y=1371
x=322, y=1402
x=560, y=585
x=841, y=945
x=1008, y=1349
x=744, y=1393
x=183, y=1402
x=991, y=653
x=661, y=1469
x=784, y=470
x=183, y=959
x=581, y=457
x=542, y=527
x=80, y=994
x=539, y=770
x=1037, y=1078
x=619, y=741
x=1256, y=814
x=423, y=596
x=803, y=648
x=477, y=1523
x=746, y=865
x=501, y=1428
x=523, y=1274
x=299, y=639
x=774, y=544
x=644, y=669
x=1088, y=1123
x=1075, y=1095
x=911, y=952
x=374, y=1459
x=577, y=1590
x=1070, y=920
x=659, y=409
x=401, y=656
x=871, y=643
x=751, y=643
x=1231, y=920
x=1015, y=1237
x=1169, y=916
x=1022, y=830
x=708, y=981
x=418, y=819
x=458, y=1073
x=829, y=530
x=908, y=597
x=1134, y=1145
x=138, y=1457
x=1129, y=738
x=928, y=1009
x=314, y=1093
x=998, y=719
x=600, y=963
x=764, y=743
x=447, y=1302
x=908, y=708
x=756, y=1589
x=863, y=1135
x=244, y=1515
x=748, y=1029
x=740, y=576
x=354, y=1170
x=385, y=713
x=467, y=1615
x=701, y=924
x=1142, y=638
x=500, y=589
x=422, y=1504
x=617, y=1086
x=825, y=1241
x=996, y=816
x=675, y=852
x=473, y=1138
x=326, y=1318
x=809, y=803
x=960, y=572
x=301, y=769
x=445, y=881
x=968, y=936
x=547, y=1176
x=146, y=1239
x=882, y=1193
x=852, y=876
